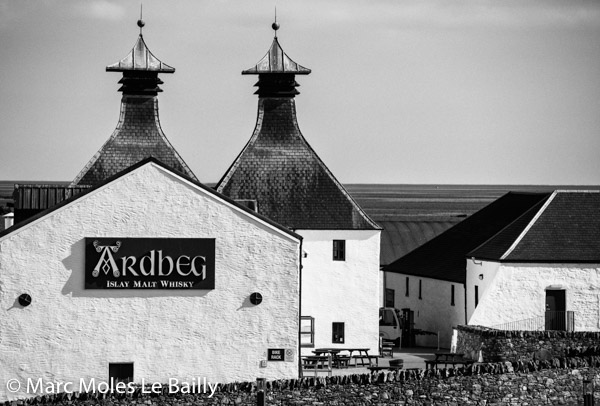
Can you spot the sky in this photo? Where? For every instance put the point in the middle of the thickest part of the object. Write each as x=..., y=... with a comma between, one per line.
x=403, y=92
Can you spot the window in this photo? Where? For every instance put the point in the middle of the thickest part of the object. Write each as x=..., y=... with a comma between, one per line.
x=407, y=286
x=420, y=289
x=389, y=298
x=476, y=295
x=451, y=295
x=386, y=318
x=120, y=372
x=339, y=250
x=307, y=331
x=337, y=332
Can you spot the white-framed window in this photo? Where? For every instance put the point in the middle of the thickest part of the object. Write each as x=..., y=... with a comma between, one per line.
x=307, y=331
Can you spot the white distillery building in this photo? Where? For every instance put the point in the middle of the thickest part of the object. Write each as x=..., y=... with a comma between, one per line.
x=428, y=285
x=108, y=284
x=138, y=272
x=227, y=285
x=281, y=176
x=542, y=272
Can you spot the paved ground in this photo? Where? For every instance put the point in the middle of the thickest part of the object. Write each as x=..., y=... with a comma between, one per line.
x=412, y=357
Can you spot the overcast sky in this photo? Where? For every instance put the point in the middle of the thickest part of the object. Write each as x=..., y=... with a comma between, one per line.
x=412, y=91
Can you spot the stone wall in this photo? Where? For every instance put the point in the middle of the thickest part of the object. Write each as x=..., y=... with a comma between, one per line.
x=500, y=345
x=520, y=383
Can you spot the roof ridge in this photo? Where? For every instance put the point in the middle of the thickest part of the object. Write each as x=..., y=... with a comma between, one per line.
x=529, y=226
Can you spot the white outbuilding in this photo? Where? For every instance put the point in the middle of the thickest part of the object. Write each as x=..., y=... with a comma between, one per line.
x=542, y=272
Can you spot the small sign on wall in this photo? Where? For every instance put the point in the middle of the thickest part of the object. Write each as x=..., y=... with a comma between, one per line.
x=280, y=354
x=275, y=354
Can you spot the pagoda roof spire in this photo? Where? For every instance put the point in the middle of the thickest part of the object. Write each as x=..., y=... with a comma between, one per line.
x=140, y=58
x=276, y=61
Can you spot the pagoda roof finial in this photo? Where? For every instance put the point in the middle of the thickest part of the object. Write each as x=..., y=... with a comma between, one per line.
x=275, y=25
x=141, y=22
x=276, y=61
x=140, y=58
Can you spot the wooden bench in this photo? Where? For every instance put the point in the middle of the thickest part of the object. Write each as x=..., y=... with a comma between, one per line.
x=316, y=364
x=365, y=360
x=341, y=361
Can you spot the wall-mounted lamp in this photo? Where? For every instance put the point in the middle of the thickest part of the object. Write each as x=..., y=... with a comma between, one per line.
x=255, y=298
x=481, y=276
x=24, y=300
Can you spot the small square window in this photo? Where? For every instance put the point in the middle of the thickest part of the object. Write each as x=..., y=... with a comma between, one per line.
x=339, y=250
x=337, y=335
x=120, y=371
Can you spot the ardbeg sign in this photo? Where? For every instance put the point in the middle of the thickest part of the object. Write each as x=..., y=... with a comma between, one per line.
x=149, y=263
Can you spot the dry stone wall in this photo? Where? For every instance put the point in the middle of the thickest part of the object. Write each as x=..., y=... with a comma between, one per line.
x=501, y=345
x=514, y=383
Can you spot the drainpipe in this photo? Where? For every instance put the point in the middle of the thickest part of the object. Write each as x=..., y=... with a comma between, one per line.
x=382, y=304
x=300, y=313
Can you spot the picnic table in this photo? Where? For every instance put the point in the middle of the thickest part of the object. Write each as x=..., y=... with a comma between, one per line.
x=317, y=363
x=338, y=361
x=447, y=358
x=363, y=355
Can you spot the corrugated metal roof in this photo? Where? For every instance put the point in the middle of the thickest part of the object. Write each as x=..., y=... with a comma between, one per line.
x=398, y=238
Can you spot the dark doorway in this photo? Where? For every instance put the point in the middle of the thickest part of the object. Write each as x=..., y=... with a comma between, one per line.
x=120, y=372
x=408, y=333
x=556, y=306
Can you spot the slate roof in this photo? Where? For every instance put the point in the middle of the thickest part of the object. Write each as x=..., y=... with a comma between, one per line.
x=291, y=185
x=444, y=257
x=566, y=229
x=138, y=134
x=278, y=169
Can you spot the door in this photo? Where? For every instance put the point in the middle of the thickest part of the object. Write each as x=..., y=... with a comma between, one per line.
x=556, y=306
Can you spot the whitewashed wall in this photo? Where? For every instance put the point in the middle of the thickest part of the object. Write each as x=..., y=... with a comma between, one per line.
x=342, y=291
x=69, y=333
x=475, y=268
x=518, y=292
x=433, y=311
